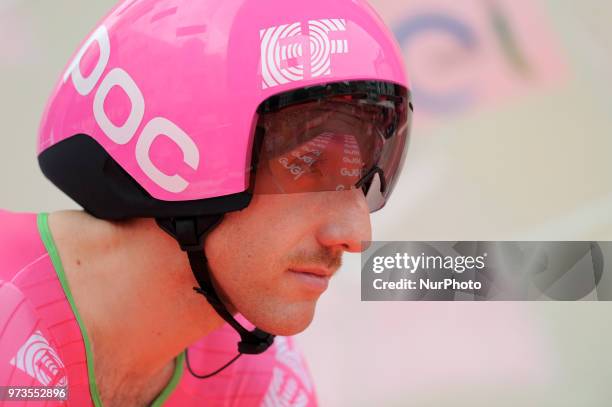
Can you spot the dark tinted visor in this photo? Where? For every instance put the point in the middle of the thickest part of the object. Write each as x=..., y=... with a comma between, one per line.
x=333, y=137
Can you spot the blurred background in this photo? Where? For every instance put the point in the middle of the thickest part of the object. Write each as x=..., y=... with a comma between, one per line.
x=511, y=141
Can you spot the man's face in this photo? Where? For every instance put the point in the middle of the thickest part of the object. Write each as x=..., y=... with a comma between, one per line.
x=272, y=260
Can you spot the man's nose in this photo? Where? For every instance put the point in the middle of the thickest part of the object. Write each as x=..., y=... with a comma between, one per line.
x=347, y=222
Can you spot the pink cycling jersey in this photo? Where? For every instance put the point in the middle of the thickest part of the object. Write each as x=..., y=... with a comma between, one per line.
x=43, y=341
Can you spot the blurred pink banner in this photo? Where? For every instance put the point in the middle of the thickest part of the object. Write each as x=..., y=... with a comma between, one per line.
x=471, y=54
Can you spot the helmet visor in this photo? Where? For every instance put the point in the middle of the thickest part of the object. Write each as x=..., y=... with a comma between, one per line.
x=333, y=137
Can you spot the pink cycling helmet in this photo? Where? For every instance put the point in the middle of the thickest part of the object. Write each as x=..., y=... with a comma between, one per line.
x=173, y=109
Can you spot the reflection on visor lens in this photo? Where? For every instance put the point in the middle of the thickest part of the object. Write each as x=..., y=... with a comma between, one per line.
x=330, y=139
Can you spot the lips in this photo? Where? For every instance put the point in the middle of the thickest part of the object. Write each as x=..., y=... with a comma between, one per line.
x=315, y=279
x=320, y=272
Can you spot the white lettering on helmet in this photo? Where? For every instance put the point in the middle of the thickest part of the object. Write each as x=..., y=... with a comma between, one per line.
x=84, y=86
x=123, y=134
x=119, y=134
x=155, y=128
x=290, y=55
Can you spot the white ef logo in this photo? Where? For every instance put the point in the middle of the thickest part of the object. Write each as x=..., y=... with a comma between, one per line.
x=288, y=54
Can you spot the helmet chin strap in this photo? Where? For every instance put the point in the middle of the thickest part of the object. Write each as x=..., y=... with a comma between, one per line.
x=190, y=232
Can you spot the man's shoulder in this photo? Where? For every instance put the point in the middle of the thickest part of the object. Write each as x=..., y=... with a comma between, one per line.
x=17, y=314
x=20, y=242
x=27, y=354
x=35, y=317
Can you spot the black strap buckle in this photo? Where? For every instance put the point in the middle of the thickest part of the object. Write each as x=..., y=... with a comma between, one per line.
x=257, y=342
x=190, y=232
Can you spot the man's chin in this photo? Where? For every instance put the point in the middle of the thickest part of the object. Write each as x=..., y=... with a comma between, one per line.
x=285, y=323
x=289, y=330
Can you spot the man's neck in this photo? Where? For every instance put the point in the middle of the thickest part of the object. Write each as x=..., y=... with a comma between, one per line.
x=133, y=288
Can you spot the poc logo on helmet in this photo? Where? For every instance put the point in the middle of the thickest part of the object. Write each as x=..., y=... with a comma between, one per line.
x=289, y=55
x=125, y=133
